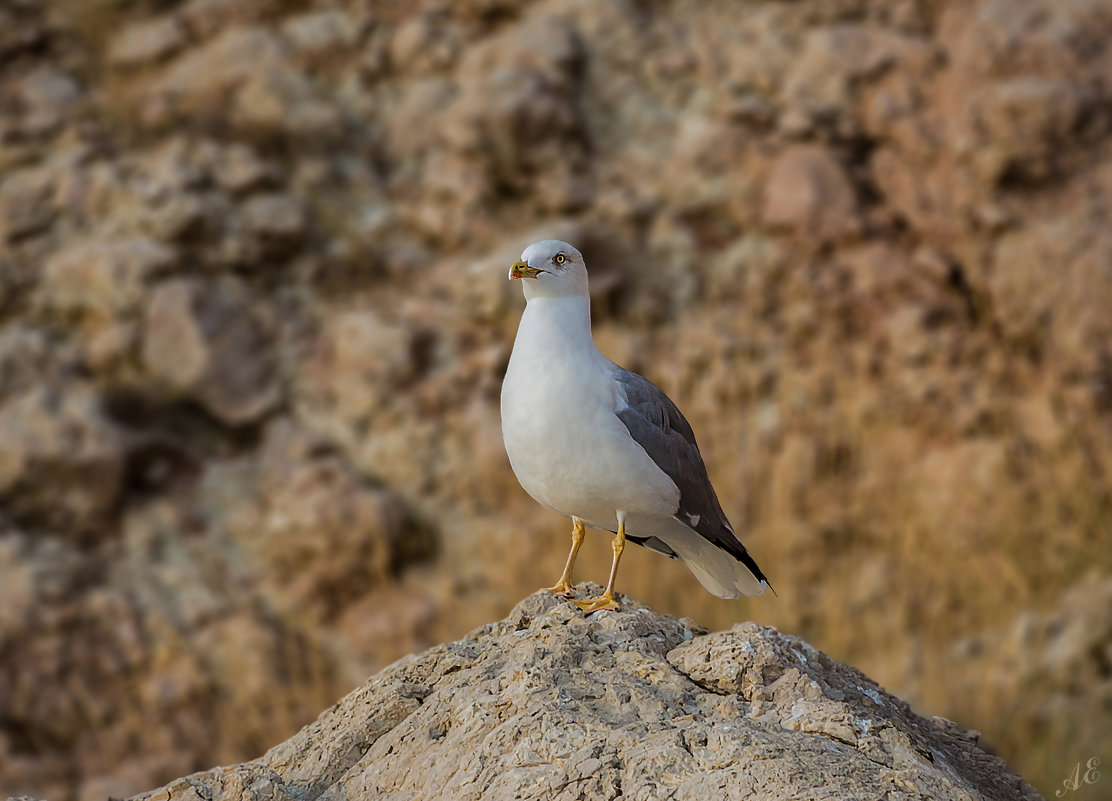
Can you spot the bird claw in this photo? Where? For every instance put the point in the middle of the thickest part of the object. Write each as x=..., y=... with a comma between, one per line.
x=562, y=589
x=603, y=602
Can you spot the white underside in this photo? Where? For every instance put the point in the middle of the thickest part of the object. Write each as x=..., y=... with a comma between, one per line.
x=572, y=453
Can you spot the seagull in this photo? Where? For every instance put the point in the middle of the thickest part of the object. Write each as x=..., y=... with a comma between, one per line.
x=602, y=445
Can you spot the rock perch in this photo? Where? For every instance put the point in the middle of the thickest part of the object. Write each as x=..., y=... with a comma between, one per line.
x=547, y=704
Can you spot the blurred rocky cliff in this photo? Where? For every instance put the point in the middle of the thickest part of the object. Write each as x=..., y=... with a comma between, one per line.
x=254, y=316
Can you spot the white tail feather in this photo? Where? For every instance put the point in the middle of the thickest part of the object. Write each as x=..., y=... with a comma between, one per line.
x=720, y=573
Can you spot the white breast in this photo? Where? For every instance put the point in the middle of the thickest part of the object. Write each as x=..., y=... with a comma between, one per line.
x=566, y=445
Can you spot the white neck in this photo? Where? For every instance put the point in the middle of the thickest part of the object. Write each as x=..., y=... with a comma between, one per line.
x=562, y=324
x=571, y=312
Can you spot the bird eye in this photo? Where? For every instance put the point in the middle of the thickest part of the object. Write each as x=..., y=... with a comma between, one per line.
x=560, y=258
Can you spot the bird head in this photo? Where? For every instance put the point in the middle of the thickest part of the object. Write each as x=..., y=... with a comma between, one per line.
x=551, y=268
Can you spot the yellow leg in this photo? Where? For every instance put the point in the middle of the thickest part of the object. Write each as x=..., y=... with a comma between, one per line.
x=606, y=600
x=563, y=587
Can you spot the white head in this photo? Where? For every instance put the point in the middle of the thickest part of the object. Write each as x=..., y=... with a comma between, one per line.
x=551, y=268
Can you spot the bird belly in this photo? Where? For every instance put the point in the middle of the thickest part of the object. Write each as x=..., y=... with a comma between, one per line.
x=572, y=454
x=582, y=476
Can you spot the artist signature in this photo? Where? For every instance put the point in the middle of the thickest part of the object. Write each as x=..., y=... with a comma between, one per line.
x=1090, y=776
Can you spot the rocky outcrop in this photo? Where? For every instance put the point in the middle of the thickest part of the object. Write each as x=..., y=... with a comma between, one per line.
x=548, y=705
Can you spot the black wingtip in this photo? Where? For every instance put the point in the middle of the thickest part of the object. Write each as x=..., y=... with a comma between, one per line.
x=751, y=564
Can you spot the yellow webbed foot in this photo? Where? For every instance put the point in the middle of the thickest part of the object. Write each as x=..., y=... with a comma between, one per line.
x=603, y=602
x=561, y=589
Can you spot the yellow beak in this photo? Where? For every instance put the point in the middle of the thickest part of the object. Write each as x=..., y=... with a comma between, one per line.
x=521, y=269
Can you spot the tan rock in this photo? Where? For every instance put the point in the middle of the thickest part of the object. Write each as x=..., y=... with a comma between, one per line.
x=203, y=341
x=282, y=101
x=206, y=74
x=48, y=96
x=424, y=43
x=25, y=202
x=548, y=704
x=25, y=354
x=240, y=169
x=358, y=361
x=83, y=641
x=246, y=71
x=515, y=113
x=206, y=18
x=146, y=42
x=325, y=535
x=1049, y=669
x=823, y=80
x=1024, y=122
x=274, y=216
x=808, y=190
x=1056, y=263
x=323, y=32
x=61, y=460
x=102, y=278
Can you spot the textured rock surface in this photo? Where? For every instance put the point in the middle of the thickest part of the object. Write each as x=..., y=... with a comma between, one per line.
x=254, y=316
x=548, y=705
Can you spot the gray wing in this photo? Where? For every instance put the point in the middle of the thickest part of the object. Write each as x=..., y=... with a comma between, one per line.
x=656, y=425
